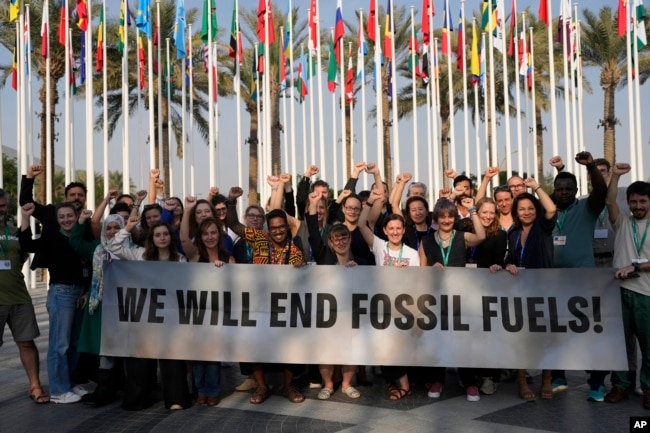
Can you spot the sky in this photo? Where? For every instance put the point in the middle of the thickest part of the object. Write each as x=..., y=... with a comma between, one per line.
x=412, y=141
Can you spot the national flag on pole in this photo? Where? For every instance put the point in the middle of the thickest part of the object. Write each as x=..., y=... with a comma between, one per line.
x=447, y=26
x=513, y=28
x=331, y=70
x=543, y=12
x=413, y=59
x=349, y=81
x=313, y=31
x=302, y=82
x=623, y=18
x=339, y=31
x=14, y=10
x=179, y=29
x=640, y=30
x=424, y=74
x=14, y=68
x=45, y=29
x=288, y=31
x=209, y=22
x=63, y=37
x=141, y=62
x=264, y=8
x=388, y=33
x=155, y=41
x=564, y=19
x=362, y=51
x=488, y=15
x=435, y=70
x=372, y=22
x=253, y=87
x=460, y=49
x=475, y=65
x=282, y=67
x=73, y=78
x=143, y=19
x=427, y=13
x=529, y=59
x=82, y=58
x=236, y=49
x=82, y=14
x=389, y=79
x=29, y=48
x=124, y=15
x=482, y=67
x=312, y=69
x=99, y=64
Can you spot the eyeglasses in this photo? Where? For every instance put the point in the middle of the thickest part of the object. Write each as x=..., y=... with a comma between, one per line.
x=254, y=216
x=517, y=186
x=340, y=241
x=222, y=210
x=352, y=209
x=278, y=229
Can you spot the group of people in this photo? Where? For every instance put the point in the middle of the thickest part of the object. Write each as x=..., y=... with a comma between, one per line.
x=514, y=226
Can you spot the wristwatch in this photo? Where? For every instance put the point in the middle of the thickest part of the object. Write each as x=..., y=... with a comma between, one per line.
x=637, y=267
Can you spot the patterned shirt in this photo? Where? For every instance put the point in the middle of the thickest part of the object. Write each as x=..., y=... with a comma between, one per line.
x=265, y=254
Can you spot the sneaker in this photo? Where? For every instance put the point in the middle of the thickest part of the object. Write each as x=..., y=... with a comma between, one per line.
x=638, y=391
x=80, y=390
x=488, y=386
x=247, y=385
x=559, y=384
x=315, y=385
x=472, y=393
x=435, y=390
x=597, y=394
x=68, y=397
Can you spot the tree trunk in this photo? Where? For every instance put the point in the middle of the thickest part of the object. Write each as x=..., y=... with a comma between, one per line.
x=252, y=156
x=444, y=140
x=388, y=159
x=540, y=144
x=165, y=143
x=276, y=155
x=348, y=140
x=609, y=122
x=47, y=177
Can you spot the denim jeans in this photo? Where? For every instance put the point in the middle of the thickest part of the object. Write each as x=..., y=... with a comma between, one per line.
x=207, y=377
x=65, y=325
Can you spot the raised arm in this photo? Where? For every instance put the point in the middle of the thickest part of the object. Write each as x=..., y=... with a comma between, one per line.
x=278, y=195
x=618, y=170
x=232, y=220
x=556, y=162
x=27, y=192
x=335, y=207
x=473, y=239
x=303, y=189
x=153, y=176
x=120, y=246
x=289, y=199
x=598, y=194
x=188, y=246
x=490, y=172
x=545, y=200
x=96, y=220
x=27, y=243
x=84, y=248
x=376, y=202
x=315, y=238
x=351, y=184
x=398, y=189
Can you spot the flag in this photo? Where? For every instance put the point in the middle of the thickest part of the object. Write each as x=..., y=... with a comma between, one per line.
x=640, y=31
x=288, y=30
x=264, y=8
x=622, y=17
x=339, y=31
x=124, y=15
x=302, y=83
x=482, y=67
x=413, y=56
x=372, y=22
x=331, y=70
x=564, y=19
x=14, y=68
x=82, y=58
x=63, y=36
x=236, y=47
x=523, y=55
x=155, y=41
x=543, y=12
x=209, y=22
x=282, y=67
x=424, y=73
x=188, y=75
x=141, y=62
x=45, y=29
x=513, y=28
x=313, y=31
x=29, y=48
x=388, y=33
x=349, y=81
x=475, y=65
x=427, y=13
x=362, y=51
x=143, y=19
x=206, y=58
x=529, y=60
x=488, y=15
x=389, y=79
x=99, y=64
x=447, y=26
x=435, y=71
x=253, y=87
x=82, y=14
x=179, y=29
x=73, y=78
x=14, y=10
x=460, y=49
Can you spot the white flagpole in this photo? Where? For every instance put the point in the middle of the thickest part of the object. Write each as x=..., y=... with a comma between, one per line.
x=105, y=105
x=450, y=97
x=416, y=143
x=169, y=118
x=393, y=64
x=312, y=120
x=334, y=144
x=477, y=119
x=378, y=95
x=506, y=99
x=48, y=117
x=191, y=126
x=364, y=137
x=630, y=94
x=159, y=131
x=344, y=148
x=517, y=36
x=285, y=140
x=435, y=108
x=138, y=91
x=580, y=95
x=567, y=84
x=66, y=118
x=240, y=141
x=493, y=114
x=351, y=113
x=183, y=126
x=534, y=104
x=573, y=76
x=321, y=121
x=28, y=104
x=152, y=122
x=551, y=77
x=90, y=145
x=21, y=150
x=71, y=162
x=292, y=109
x=429, y=134
x=126, y=185
x=466, y=112
x=637, y=99
x=211, y=109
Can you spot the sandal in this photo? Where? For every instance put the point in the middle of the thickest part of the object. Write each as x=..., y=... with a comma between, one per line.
x=213, y=401
x=260, y=395
x=201, y=399
x=525, y=393
x=398, y=393
x=325, y=393
x=38, y=396
x=294, y=395
x=351, y=392
x=546, y=392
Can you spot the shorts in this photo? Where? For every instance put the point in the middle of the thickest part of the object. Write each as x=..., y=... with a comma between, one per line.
x=22, y=322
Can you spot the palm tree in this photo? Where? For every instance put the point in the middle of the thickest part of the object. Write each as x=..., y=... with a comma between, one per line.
x=603, y=48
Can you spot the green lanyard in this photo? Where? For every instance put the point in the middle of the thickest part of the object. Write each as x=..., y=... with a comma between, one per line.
x=4, y=250
x=399, y=256
x=562, y=217
x=445, y=254
x=638, y=245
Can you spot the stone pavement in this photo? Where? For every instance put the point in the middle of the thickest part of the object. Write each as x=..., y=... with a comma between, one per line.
x=502, y=412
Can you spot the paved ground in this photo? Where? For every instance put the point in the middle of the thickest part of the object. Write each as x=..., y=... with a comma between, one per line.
x=502, y=412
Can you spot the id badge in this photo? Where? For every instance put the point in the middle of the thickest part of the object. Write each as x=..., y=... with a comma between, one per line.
x=5, y=265
x=600, y=234
x=559, y=240
x=471, y=265
x=639, y=261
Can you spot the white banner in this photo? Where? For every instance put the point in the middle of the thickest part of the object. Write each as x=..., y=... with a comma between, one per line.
x=460, y=317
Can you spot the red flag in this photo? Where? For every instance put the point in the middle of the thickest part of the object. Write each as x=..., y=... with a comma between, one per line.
x=622, y=17
x=82, y=13
x=339, y=31
x=155, y=50
x=63, y=37
x=543, y=12
x=349, y=82
x=388, y=33
x=45, y=32
x=460, y=50
x=264, y=8
x=141, y=62
x=313, y=31
x=14, y=69
x=372, y=21
x=427, y=13
x=513, y=29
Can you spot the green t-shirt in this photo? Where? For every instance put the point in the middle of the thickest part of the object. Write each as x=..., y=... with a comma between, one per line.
x=13, y=290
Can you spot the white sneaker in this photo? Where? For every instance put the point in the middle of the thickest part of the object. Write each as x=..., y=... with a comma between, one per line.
x=488, y=386
x=68, y=397
x=80, y=390
x=638, y=391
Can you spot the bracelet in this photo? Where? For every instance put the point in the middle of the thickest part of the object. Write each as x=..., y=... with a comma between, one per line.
x=369, y=204
x=535, y=190
x=472, y=210
x=561, y=168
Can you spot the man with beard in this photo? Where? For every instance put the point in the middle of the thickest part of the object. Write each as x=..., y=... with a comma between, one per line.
x=631, y=254
x=16, y=307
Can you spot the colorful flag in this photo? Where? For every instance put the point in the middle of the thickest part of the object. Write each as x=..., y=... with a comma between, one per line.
x=253, y=86
x=640, y=31
x=427, y=14
x=63, y=35
x=288, y=31
x=543, y=12
x=413, y=55
x=482, y=67
x=82, y=58
x=474, y=59
x=155, y=41
x=45, y=29
x=388, y=33
x=460, y=49
x=339, y=31
x=209, y=22
x=564, y=21
x=29, y=48
x=529, y=60
x=14, y=10
x=14, y=68
x=435, y=69
x=143, y=19
x=331, y=70
x=282, y=67
x=622, y=17
x=236, y=47
x=264, y=9
x=372, y=22
x=302, y=82
x=141, y=62
x=362, y=51
x=124, y=15
x=99, y=64
x=488, y=15
x=179, y=30
x=349, y=81
x=82, y=14
x=389, y=79
x=447, y=26
x=513, y=28
x=424, y=72
x=313, y=30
